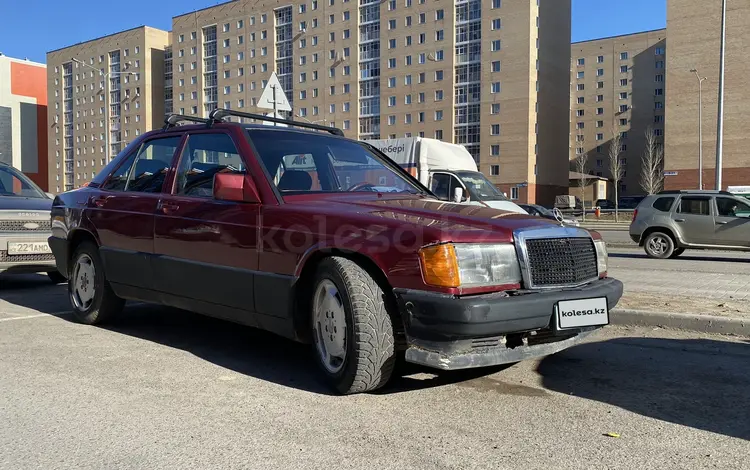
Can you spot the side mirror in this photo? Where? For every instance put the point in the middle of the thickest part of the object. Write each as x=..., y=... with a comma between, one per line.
x=234, y=187
x=458, y=195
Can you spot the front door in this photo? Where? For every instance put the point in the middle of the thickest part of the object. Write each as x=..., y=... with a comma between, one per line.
x=122, y=210
x=206, y=249
x=693, y=220
x=732, y=222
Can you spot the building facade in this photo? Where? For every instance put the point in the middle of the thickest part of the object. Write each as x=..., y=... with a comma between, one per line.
x=694, y=29
x=618, y=86
x=102, y=94
x=23, y=117
x=474, y=72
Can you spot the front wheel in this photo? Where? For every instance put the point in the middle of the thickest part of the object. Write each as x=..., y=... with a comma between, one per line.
x=352, y=330
x=91, y=296
x=659, y=245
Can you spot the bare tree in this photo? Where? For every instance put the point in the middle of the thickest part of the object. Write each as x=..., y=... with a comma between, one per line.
x=652, y=164
x=581, y=164
x=615, y=166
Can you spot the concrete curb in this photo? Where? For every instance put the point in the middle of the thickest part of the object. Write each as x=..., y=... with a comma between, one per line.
x=681, y=321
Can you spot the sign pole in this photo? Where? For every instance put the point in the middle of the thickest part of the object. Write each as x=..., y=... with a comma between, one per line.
x=274, y=103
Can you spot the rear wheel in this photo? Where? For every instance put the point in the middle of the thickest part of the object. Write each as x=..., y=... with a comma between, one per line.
x=352, y=330
x=677, y=252
x=91, y=296
x=659, y=245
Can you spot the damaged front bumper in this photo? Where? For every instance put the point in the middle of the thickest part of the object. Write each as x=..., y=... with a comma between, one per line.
x=449, y=332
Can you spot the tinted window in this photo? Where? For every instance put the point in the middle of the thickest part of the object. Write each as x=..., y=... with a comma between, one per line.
x=695, y=205
x=203, y=157
x=664, y=204
x=305, y=162
x=728, y=207
x=144, y=171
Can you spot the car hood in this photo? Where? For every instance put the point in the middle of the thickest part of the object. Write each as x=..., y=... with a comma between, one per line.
x=445, y=221
x=14, y=203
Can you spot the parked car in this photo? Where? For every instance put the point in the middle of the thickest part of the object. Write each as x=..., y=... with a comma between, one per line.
x=629, y=202
x=24, y=226
x=668, y=223
x=604, y=204
x=215, y=218
x=540, y=211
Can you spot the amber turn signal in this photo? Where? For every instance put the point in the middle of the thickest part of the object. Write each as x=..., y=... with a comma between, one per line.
x=439, y=265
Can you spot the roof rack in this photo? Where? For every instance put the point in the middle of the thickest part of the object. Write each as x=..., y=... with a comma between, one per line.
x=173, y=119
x=700, y=191
x=218, y=114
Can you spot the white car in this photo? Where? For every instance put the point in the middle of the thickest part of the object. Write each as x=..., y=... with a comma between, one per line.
x=25, y=226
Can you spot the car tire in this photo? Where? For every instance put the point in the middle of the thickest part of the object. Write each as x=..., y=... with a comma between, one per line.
x=56, y=277
x=677, y=252
x=90, y=294
x=659, y=245
x=345, y=297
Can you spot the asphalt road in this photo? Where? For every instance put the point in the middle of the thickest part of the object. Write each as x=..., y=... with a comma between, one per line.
x=163, y=388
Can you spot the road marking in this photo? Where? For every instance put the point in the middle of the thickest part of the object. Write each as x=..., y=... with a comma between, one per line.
x=29, y=317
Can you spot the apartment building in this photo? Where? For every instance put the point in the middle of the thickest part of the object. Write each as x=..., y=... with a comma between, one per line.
x=23, y=117
x=489, y=74
x=618, y=86
x=694, y=29
x=102, y=94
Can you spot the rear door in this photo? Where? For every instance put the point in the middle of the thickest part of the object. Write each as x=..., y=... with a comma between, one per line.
x=206, y=249
x=122, y=210
x=732, y=222
x=693, y=220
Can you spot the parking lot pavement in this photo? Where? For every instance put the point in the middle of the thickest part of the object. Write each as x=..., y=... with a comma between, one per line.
x=163, y=388
x=710, y=275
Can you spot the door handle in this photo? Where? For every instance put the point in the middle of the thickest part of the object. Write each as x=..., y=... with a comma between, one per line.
x=679, y=220
x=168, y=207
x=721, y=222
x=98, y=201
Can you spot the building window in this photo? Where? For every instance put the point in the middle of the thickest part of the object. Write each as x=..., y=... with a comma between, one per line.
x=659, y=51
x=599, y=85
x=658, y=132
x=495, y=150
x=659, y=64
x=624, y=121
x=623, y=56
x=438, y=75
x=494, y=170
x=496, y=24
x=581, y=100
x=623, y=69
x=496, y=66
x=624, y=95
x=514, y=192
x=599, y=111
x=581, y=61
x=580, y=75
x=496, y=45
x=580, y=112
x=659, y=78
x=659, y=91
x=496, y=4
x=624, y=82
x=599, y=124
x=580, y=87
x=439, y=115
x=495, y=129
x=600, y=59
x=391, y=120
x=599, y=72
x=495, y=108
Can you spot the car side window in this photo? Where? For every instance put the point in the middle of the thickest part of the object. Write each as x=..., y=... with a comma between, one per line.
x=695, y=205
x=204, y=156
x=144, y=170
x=441, y=185
x=663, y=204
x=729, y=207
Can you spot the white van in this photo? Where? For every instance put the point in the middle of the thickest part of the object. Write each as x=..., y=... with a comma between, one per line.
x=445, y=168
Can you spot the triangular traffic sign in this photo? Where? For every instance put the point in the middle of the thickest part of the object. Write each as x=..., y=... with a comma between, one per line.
x=267, y=98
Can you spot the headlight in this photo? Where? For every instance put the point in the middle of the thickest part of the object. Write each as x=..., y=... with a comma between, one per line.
x=470, y=265
x=601, y=256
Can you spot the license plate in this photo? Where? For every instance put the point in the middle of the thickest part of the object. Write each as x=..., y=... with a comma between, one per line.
x=28, y=248
x=584, y=312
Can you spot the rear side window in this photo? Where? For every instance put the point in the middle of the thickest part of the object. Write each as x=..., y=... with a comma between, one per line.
x=144, y=171
x=695, y=205
x=664, y=204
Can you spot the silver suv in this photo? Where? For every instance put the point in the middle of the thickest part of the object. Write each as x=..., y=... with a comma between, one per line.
x=668, y=223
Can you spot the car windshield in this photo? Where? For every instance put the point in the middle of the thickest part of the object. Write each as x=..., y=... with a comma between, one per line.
x=302, y=163
x=544, y=211
x=15, y=184
x=479, y=187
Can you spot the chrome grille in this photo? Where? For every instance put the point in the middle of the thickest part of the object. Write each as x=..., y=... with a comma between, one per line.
x=561, y=262
x=6, y=258
x=18, y=226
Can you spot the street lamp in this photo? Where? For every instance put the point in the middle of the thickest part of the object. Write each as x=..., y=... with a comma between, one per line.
x=106, y=101
x=720, y=119
x=700, y=126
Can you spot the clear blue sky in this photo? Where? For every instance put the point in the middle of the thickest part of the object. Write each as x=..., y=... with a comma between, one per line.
x=30, y=28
